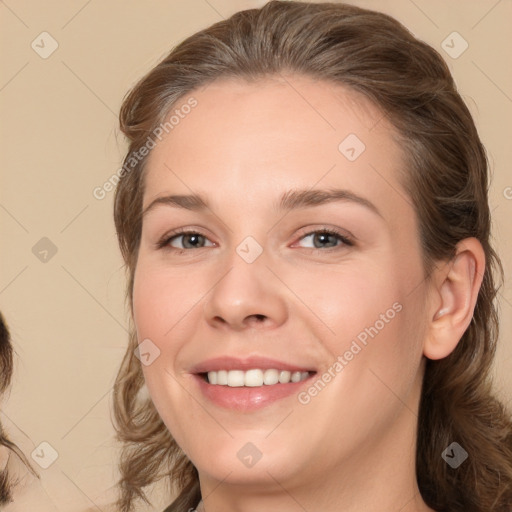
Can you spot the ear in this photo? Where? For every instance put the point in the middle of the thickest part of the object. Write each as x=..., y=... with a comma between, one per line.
x=455, y=290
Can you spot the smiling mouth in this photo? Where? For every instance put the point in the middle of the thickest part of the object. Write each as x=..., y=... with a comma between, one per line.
x=254, y=377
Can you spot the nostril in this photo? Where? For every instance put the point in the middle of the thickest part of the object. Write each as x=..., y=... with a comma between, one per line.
x=256, y=319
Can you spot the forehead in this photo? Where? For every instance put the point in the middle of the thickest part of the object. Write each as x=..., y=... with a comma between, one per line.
x=246, y=139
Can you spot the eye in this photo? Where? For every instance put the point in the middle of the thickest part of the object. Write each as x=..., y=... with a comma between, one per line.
x=326, y=238
x=185, y=240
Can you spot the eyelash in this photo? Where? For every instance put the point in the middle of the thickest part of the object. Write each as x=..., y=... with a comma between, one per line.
x=165, y=241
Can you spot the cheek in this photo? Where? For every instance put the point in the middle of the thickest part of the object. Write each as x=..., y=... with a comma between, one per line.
x=156, y=310
x=166, y=304
x=347, y=299
x=162, y=300
x=375, y=347
x=160, y=306
x=370, y=316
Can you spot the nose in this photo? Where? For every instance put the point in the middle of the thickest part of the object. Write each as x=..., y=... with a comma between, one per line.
x=248, y=295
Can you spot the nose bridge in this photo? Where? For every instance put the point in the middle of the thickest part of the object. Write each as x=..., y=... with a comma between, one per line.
x=247, y=291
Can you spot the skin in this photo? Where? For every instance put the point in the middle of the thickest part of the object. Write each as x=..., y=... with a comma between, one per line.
x=353, y=444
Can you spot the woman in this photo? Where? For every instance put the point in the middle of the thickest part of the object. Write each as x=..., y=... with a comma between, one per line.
x=6, y=367
x=9, y=465
x=285, y=374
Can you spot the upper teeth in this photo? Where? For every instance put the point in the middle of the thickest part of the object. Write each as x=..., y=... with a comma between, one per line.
x=254, y=378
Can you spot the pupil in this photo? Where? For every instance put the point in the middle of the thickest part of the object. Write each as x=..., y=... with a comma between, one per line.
x=324, y=238
x=191, y=239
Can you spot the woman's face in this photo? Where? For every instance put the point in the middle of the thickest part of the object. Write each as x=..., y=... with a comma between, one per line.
x=303, y=256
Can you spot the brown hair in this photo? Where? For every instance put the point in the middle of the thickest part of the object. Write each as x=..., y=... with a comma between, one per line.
x=446, y=178
x=6, y=371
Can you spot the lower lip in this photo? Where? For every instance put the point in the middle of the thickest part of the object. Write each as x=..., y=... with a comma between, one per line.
x=248, y=398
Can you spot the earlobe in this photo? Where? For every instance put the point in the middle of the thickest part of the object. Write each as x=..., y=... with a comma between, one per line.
x=456, y=286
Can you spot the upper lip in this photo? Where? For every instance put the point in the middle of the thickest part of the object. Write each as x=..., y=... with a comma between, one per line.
x=248, y=363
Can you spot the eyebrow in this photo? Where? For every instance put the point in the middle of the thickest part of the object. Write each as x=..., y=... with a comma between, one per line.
x=291, y=200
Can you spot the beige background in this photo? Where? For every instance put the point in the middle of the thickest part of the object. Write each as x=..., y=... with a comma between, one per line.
x=59, y=140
